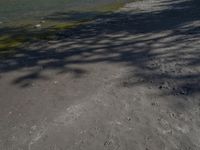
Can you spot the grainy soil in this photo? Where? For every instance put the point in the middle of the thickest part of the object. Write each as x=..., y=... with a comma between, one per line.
x=126, y=81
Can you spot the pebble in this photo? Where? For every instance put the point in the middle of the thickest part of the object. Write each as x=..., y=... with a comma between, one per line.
x=34, y=127
x=183, y=92
x=172, y=115
x=38, y=25
x=55, y=82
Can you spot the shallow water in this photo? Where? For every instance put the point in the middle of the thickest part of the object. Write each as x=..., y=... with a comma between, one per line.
x=26, y=9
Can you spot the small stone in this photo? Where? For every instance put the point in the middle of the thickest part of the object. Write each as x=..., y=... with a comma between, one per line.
x=55, y=82
x=38, y=25
x=172, y=115
x=183, y=92
x=34, y=127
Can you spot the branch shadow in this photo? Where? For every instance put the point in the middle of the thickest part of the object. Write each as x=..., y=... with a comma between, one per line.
x=162, y=46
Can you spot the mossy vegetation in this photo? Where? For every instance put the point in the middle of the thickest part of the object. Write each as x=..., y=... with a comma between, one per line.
x=9, y=45
x=70, y=25
x=10, y=42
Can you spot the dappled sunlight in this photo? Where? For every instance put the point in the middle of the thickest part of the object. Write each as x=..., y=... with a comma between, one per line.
x=101, y=80
x=161, y=46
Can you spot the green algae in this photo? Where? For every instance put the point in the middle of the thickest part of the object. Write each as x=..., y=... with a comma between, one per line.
x=70, y=25
x=11, y=42
x=9, y=45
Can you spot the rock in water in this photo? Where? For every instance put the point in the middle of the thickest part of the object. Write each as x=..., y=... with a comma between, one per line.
x=38, y=25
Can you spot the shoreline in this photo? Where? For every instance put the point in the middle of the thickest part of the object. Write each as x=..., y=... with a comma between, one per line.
x=47, y=29
x=125, y=81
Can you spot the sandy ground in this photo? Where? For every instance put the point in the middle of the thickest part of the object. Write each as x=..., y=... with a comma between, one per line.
x=128, y=81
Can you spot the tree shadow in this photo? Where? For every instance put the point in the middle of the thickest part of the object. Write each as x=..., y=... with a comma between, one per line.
x=161, y=45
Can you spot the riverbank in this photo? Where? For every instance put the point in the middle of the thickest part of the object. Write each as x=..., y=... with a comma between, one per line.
x=128, y=80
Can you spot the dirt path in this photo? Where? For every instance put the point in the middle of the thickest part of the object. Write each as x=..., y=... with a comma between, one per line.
x=129, y=80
